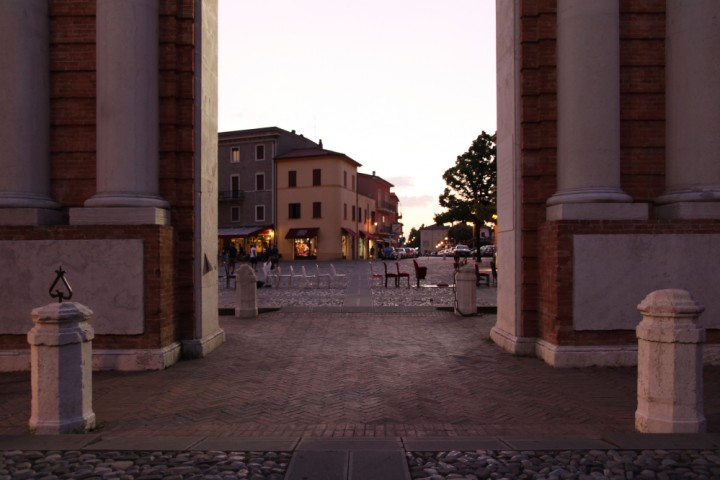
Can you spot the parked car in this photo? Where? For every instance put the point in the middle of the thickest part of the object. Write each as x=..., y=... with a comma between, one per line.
x=387, y=253
x=487, y=250
x=461, y=251
x=408, y=252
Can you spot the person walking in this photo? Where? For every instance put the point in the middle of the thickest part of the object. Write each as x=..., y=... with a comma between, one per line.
x=253, y=257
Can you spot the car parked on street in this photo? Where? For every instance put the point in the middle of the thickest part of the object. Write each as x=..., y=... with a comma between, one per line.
x=461, y=251
x=387, y=253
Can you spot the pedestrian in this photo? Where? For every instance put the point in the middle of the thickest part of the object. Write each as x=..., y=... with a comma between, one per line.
x=372, y=252
x=253, y=257
x=232, y=257
x=274, y=256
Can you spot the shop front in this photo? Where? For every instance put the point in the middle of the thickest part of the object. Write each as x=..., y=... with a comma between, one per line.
x=304, y=243
x=347, y=241
x=244, y=238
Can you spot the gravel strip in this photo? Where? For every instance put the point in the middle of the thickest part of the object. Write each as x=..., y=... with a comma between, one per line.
x=19, y=465
x=593, y=464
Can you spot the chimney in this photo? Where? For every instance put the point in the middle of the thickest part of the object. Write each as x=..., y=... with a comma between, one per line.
x=373, y=173
x=321, y=143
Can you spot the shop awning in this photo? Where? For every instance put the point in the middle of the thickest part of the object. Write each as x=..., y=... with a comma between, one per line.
x=367, y=235
x=349, y=231
x=302, y=233
x=240, y=231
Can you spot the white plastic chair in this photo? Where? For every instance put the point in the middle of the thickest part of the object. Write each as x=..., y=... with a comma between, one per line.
x=308, y=278
x=336, y=276
x=281, y=275
x=294, y=275
x=320, y=276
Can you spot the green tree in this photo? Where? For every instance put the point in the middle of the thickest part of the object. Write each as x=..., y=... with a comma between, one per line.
x=413, y=238
x=470, y=195
x=460, y=233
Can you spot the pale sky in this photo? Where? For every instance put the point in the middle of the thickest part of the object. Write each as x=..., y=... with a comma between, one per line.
x=401, y=86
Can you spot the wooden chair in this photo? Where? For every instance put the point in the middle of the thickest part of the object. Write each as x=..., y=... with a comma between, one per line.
x=320, y=276
x=401, y=274
x=420, y=273
x=390, y=275
x=481, y=277
x=374, y=275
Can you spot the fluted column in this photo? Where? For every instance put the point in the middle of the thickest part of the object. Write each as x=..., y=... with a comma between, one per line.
x=588, y=71
x=127, y=115
x=692, y=172
x=25, y=113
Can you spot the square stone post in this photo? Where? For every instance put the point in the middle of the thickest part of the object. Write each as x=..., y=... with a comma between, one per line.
x=246, y=292
x=61, y=369
x=670, y=364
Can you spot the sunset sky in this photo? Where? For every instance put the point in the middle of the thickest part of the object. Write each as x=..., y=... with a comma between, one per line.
x=403, y=87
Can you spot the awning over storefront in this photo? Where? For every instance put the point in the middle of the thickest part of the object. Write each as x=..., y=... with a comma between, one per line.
x=241, y=231
x=302, y=233
x=367, y=235
x=349, y=231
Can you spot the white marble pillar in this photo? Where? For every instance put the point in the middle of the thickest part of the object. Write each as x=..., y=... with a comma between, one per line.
x=127, y=116
x=25, y=114
x=588, y=71
x=692, y=159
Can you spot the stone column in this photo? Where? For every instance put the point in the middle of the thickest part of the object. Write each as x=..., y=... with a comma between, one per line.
x=588, y=71
x=670, y=364
x=61, y=369
x=127, y=117
x=25, y=114
x=692, y=159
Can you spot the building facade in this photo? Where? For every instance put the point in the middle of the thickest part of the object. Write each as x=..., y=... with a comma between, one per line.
x=386, y=218
x=246, y=184
x=109, y=161
x=317, y=205
x=433, y=238
x=608, y=171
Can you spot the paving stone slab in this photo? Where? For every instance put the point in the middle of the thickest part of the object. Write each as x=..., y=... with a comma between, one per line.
x=378, y=466
x=178, y=443
x=318, y=465
x=248, y=444
x=350, y=444
x=454, y=443
x=556, y=443
x=662, y=441
x=46, y=442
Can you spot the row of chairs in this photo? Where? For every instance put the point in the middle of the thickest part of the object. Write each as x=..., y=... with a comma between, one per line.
x=302, y=278
x=396, y=276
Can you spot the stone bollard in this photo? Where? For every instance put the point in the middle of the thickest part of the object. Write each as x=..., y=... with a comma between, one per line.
x=61, y=369
x=670, y=364
x=465, y=291
x=245, y=292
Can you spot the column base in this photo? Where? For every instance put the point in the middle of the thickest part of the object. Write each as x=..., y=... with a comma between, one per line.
x=597, y=211
x=31, y=216
x=201, y=347
x=65, y=426
x=523, y=346
x=119, y=216
x=689, y=210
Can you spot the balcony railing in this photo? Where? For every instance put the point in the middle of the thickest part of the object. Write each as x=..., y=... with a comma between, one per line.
x=231, y=195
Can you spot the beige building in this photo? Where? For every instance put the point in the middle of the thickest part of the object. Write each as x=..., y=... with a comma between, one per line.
x=317, y=205
x=433, y=238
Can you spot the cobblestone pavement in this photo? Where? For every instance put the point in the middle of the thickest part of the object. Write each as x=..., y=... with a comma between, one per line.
x=312, y=370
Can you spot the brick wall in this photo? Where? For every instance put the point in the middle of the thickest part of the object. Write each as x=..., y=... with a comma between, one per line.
x=169, y=251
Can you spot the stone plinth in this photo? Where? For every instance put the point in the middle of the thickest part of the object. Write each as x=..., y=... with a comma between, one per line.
x=61, y=363
x=246, y=292
x=465, y=291
x=670, y=365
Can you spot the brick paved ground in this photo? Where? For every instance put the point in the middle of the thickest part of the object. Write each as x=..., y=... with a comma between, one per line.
x=414, y=374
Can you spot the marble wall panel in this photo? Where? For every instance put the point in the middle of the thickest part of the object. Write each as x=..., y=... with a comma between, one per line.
x=106, y=275
x=614, y=273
